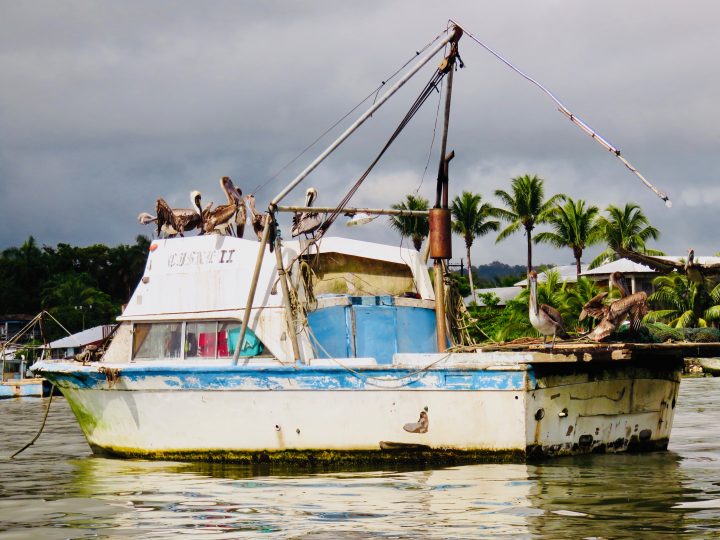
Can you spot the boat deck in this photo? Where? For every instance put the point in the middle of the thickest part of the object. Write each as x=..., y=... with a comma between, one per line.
x=606, y=352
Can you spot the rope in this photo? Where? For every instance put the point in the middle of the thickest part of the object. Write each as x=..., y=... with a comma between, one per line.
x=374, y=93
x=42, y=426
x=424, y=94
x=570, y=116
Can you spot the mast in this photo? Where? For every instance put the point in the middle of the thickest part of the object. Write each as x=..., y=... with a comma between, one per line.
x=440, y=234
x=452, y=37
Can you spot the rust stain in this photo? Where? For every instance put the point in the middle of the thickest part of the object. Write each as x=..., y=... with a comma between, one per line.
x=111, y=374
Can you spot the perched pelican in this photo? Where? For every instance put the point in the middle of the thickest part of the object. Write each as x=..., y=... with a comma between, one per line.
x=694, y=270
x=174, y=221
x=545, y=319
x=240, y=215
x=614, y=314
x=218, y=219
x=306, y=222
x=258, y=220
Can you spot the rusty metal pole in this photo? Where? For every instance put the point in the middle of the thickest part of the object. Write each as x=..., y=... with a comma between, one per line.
x=253, y=286
x=282, y=276
x=440, y=240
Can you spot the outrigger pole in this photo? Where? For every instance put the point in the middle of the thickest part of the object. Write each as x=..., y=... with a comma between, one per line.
x=452, y=36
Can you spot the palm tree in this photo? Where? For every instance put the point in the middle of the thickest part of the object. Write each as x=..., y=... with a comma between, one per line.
x=626, y=227
x=574, y=226
x=524, y=208
x=470, y=220
x=416, y=228
x=683, y=303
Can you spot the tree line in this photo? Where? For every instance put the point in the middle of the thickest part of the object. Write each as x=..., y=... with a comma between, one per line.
x=572, y=224
x=80, y=286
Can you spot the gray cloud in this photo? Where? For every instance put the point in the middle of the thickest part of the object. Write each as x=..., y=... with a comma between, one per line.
x=106, y=106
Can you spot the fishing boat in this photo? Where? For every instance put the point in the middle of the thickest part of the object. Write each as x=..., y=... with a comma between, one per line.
x=336, y=349
x=16, y=354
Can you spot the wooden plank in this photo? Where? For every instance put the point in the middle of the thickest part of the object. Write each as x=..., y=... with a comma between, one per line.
x=604, y=352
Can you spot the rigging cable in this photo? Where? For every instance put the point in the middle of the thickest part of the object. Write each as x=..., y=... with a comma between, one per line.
x=374, y=92
x=570, y=116
x=431, y=86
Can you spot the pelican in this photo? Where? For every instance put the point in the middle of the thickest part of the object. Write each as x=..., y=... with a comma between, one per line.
x=258, y=221
x=613, y=315
x=694, y=270
x=306, y=222
x=545, y=319
x=218, y=219
x=174, y=221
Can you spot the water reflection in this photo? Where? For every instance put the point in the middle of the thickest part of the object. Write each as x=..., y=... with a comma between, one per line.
x=57, y=490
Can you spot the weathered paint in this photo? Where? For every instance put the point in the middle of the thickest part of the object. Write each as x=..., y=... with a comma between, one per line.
x=271, y=412
x=601, y=409
x=146, y=376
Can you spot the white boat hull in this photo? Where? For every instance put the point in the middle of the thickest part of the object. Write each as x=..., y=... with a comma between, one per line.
x=310, y=414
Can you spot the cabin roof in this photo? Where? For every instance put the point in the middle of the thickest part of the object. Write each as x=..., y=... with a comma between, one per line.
x=209, y=276
x=86, y=337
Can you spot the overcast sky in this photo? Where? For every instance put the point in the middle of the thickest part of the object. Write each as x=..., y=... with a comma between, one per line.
x=106, y=106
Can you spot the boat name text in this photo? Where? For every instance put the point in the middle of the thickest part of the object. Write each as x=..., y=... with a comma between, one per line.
x=197, y=258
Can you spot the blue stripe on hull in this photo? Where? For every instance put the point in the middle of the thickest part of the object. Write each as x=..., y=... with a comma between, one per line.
x=292, y=378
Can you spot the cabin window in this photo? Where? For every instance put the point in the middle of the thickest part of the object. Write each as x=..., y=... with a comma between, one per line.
x=157, y=341
x=228, y=335
x=192, y=340
x=201, y=340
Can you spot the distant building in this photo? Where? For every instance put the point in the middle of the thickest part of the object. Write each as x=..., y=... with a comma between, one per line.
x=567, y=272
x=504, y=294
x=71, y=345
x=638, y=275
x=11, y=324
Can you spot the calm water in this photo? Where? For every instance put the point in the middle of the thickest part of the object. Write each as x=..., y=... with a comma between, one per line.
x=56, y=489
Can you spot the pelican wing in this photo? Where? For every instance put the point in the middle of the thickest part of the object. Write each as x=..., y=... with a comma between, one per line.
x=594, y=307
x=555, y=316
x=305, y=223
x=656, y=263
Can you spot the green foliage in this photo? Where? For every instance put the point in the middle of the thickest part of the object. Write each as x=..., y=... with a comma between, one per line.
x=513, y=321
x=523, y=208
x=681, y=303
x=67, y=280
x=415, y=228
x=489, y=299
x=470, y=220
x=628, y=227
x=461, y=282
x=573, y=226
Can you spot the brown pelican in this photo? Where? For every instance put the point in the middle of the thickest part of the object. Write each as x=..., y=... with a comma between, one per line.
x=694, y=270
x=258, y=220
x=633, y=306
x=421, y=426
x=545, y=319
x=306, y=222
x=218, y=219
x=174, y=221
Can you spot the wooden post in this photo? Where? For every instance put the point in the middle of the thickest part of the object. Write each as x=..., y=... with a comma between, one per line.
x=253, y=286
x=282, y=276
x=440, y=315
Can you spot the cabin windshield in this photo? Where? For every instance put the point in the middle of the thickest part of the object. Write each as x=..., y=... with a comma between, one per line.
x=192, y=340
